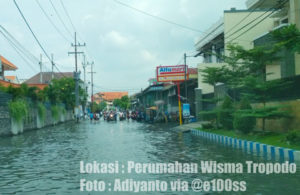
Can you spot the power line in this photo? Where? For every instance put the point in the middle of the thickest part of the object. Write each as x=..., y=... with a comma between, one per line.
x=159, y=18
x=16, y=42
x=273, y=9
x=21, y=13
x=17, y=50
x=52, y=23
x=228, y=36
x=66, y=12
x=258, y=21
x=70, y=20
x=58, y=15
x=243, y=19
x=32, y=31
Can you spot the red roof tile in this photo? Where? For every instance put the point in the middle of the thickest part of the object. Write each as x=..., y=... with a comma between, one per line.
x=7, y=64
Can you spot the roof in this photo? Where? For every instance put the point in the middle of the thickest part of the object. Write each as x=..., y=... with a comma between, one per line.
x=38, y=85
x=110, y=96
x=7, y=64
x=47, y=77
x=7, y=83
x=10, y=77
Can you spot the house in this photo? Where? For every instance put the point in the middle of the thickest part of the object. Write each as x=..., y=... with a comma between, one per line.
x=12, y=79
x=247, y=28
x=225, y=31
x=6, y=65
x=289, y=65
x=108, y=97
x=164, y=96
x=43, y=79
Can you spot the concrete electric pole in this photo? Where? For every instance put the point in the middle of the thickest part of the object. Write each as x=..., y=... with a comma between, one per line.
x=92, y=81
x=76, y=75
x=185, y=81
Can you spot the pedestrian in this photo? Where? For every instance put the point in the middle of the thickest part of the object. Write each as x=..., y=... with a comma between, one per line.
x=91, y=116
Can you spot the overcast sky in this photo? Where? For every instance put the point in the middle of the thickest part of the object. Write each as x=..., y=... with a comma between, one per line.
x=125, y=44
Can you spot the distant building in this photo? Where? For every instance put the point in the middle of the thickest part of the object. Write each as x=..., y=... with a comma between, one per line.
x=12, y=79
x=108, y=97
x=41, y=80
x=6, y=65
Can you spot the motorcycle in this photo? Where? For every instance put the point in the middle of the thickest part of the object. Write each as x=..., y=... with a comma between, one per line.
x=111, y=117
x=122, y=116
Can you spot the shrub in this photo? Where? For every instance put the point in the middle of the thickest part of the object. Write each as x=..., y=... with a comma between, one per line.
x=225, y=114
x=293, y=137
x=55, y=112
x=18, y=110
x=41, y=111
x=242, y=120
x=207, y=126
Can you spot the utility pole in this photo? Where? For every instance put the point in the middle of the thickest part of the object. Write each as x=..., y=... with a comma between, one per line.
x=92, y=81
x=52, y=64
x=84, y=66
x=76, y=76
x=41, y=69
x=185, y=81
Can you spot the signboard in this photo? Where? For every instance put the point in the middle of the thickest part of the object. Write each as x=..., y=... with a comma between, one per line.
x=153, y=81
x=157, y=88
x=186, y=110
x=171, y=73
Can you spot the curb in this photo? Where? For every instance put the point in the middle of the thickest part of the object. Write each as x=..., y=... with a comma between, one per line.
x=254, y=148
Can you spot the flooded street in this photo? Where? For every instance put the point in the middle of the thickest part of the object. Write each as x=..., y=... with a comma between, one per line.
x=47, y=161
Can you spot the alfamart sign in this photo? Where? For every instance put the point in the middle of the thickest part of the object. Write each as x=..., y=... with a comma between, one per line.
x=171, y=73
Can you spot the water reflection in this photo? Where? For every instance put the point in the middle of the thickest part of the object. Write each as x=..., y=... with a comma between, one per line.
x=47, y=160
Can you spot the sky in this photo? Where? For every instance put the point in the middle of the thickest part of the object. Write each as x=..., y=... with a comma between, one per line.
x=124, y=44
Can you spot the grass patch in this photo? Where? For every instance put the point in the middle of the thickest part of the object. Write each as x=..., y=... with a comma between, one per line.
x=272, y=138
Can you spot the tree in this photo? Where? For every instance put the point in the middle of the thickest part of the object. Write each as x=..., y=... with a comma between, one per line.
x=246, y=70
x=122, y=103
x=102, y=105
x=288, y=37
x=62, y=91
x=213, y=75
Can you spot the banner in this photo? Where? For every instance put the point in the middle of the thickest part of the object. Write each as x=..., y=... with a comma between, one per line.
x=186, y=110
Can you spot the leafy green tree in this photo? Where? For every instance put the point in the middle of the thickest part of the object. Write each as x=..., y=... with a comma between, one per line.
x=288, y=37
x=62, y=91
x=246, y=69
x=102, y=105
x=122, y=103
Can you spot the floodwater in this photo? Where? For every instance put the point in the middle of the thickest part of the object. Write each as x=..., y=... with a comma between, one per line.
x=47, y=161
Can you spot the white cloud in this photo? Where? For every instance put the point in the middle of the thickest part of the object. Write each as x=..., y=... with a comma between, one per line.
x=86, y=18
x=117, y=38
x=126, y=45
x=147, y=55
